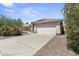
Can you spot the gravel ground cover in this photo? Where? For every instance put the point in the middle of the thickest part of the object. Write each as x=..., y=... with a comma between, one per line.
x=57, y=46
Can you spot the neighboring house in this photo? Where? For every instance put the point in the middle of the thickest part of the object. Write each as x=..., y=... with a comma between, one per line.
x=25, y=27
x=48, y=26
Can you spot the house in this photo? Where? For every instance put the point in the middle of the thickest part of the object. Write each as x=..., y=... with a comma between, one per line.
x=48, y=26
x=25, y=27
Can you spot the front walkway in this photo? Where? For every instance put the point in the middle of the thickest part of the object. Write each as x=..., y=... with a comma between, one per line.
x=26, y=45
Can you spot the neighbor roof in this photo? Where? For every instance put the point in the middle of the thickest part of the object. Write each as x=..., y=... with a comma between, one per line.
x=26, y=25
x=47, y=20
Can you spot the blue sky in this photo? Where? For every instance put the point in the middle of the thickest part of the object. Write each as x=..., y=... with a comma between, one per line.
x=29, y=12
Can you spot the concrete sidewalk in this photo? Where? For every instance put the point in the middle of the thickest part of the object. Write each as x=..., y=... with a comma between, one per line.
x=26, y=45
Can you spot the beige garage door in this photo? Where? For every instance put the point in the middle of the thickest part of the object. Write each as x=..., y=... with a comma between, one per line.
x=46, y=30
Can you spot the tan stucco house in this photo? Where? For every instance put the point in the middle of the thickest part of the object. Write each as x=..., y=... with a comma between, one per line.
x=48, y=26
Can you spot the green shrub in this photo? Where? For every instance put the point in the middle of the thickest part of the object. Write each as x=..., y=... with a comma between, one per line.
x=71, y=17
x=9, y=27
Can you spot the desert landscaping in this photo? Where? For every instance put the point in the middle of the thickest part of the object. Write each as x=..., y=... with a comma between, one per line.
x=43, y=36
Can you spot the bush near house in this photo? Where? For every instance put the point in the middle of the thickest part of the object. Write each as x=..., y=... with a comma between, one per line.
x=10, y=27
x=71, y=17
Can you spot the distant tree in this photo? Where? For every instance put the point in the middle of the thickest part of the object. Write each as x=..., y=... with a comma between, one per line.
x=27, y=23
x=20, y=22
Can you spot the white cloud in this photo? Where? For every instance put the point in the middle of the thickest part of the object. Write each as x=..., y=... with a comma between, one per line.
x=9, y=10
x=9, y=5
x=30, y=12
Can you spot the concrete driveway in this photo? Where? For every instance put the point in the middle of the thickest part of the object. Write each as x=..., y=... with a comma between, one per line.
x=26, y=45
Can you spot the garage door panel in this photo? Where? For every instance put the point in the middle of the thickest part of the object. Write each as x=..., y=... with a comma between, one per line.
x=45, y=25
x=46, y=30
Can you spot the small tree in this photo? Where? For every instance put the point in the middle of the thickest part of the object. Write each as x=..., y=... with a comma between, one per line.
x=71, y=17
